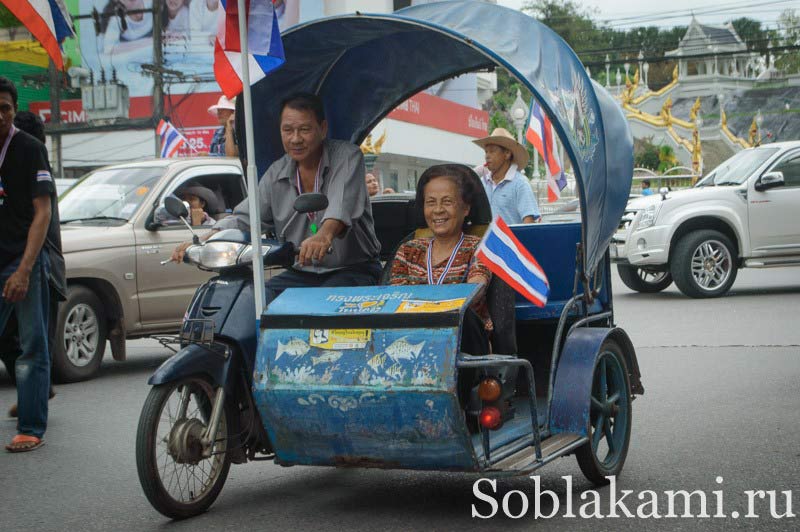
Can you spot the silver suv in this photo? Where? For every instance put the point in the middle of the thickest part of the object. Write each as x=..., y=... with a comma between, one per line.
x=114, y=241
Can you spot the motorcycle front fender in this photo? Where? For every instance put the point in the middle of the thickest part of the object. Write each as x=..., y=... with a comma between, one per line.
x=194, y=359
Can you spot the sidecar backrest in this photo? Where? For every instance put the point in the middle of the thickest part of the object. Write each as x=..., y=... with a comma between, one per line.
x=395, y=218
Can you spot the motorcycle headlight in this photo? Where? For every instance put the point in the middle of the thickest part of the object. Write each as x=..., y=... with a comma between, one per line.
x=649, y=215
x=219, y=254
x=193, y=254
x=246, y=256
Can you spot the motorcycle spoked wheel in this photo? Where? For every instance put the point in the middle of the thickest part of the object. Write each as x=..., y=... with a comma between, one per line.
x=176, y=479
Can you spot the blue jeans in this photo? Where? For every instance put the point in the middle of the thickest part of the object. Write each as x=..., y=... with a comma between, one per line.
x=33, y=367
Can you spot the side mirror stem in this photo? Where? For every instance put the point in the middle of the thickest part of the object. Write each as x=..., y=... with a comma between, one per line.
x=282, y=236
x=195, y=238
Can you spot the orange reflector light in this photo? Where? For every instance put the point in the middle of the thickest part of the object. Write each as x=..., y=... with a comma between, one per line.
x=489, y=390
x=490, y=417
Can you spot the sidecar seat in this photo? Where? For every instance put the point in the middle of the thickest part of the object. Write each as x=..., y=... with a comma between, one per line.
x=499, y=296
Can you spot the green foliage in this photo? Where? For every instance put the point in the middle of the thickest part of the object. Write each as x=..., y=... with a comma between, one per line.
x=667, y=159
x=645, y=154
x=751, y=32
x=7, y=20
x=789, y=31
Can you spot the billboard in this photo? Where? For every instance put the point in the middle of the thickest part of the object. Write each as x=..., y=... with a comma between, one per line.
x=124, y=41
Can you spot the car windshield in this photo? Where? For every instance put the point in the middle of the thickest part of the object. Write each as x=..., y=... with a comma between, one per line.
x=737, y=169
x=111, y=194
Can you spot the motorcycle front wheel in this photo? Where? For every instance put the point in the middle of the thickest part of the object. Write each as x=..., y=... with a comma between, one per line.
x=176, y=478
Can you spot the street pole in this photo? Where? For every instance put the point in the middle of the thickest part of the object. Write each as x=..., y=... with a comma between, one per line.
x=55, y=119
x=158, y=74
x=252, y=181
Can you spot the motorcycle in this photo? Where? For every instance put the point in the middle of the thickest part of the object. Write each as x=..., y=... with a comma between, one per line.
x=374, y=376
x=200, y=416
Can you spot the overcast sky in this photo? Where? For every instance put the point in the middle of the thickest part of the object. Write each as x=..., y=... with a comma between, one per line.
x=651, y=12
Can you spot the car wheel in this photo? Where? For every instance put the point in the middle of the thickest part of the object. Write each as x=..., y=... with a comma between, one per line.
x=643, y=279
x=80, y=336
x=704, y=264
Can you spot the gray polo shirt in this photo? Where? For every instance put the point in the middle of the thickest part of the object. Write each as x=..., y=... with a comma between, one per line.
x=342, y=176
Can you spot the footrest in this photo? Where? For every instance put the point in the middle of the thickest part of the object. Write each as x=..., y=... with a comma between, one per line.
x=463, y=357
x=553, y=447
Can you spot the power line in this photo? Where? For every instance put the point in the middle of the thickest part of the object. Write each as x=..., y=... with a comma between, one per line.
x=691, y=11
x=672, y=14
x=662, y=59
x=641, y=47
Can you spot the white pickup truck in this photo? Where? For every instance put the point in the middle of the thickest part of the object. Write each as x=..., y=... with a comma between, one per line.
x=745, y=213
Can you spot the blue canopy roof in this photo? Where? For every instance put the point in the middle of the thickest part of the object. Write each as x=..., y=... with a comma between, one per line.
x=363, y=66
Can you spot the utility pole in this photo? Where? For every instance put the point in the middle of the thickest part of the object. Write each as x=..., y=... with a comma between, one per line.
x=158, y=75
x=55, y=118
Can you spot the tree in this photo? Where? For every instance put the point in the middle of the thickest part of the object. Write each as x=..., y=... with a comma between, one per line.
x=789, y=35
x=667, y=159
x=7, y=20
x=569, y=20
x=645, y=154
x=751, y=32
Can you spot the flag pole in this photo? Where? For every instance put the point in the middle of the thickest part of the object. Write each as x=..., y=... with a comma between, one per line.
x=252, y=181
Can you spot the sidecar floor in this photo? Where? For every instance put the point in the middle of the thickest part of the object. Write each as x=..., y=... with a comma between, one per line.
x=517, y=427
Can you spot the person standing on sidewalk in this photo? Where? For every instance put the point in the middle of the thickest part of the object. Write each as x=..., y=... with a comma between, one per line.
x=9, y=340
x=26, y=193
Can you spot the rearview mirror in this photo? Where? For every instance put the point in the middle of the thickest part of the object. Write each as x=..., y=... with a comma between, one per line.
x=176, y=207
x=770, y=180
x=310, y=202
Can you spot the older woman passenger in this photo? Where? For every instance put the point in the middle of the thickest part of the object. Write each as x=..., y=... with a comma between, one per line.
x=446, y=193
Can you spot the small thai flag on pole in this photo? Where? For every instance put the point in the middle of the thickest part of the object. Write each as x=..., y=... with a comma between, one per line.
x=264, y=46
x=171, y=139
x=540, y=133
x=48, y=21
x=508, y=259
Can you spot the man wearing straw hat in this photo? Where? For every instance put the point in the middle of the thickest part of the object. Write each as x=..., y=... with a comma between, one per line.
x=508, y=189
x=224, y=142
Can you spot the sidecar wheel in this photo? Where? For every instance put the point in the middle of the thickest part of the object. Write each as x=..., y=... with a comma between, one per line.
x=176, y=479
x=609, y=417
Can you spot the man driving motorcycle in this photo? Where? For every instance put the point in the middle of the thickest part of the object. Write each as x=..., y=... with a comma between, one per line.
x=337, y=246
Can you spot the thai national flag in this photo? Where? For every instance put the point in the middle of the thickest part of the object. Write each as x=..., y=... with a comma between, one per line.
x=263, y=43
x=508, y=259
x=540, y=133
x=171, y=139
x=47, y=20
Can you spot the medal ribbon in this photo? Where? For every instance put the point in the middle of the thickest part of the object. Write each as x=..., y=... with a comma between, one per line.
x=447, y=266
x=316, y=186
x=311, y=215
x=6, y=143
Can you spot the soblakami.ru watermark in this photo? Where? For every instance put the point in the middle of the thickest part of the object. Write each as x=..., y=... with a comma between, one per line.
x=647, y=504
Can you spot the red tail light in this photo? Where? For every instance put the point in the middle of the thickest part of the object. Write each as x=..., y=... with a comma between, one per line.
x=490, y=417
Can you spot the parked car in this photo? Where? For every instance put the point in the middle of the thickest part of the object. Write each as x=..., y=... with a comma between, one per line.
x=745, y=213
x=63, y=185
x=117, y=288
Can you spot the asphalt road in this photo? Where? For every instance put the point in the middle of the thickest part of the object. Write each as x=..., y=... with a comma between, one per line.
x=722, y=399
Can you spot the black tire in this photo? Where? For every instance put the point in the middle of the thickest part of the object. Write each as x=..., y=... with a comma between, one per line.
x=643, y=280
x=154, y=451
x=704, y=264
x=595, y=463
x=80, y=336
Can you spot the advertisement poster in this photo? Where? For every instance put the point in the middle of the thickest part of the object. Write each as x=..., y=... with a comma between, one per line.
x=123, y=40
x=126, y=42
